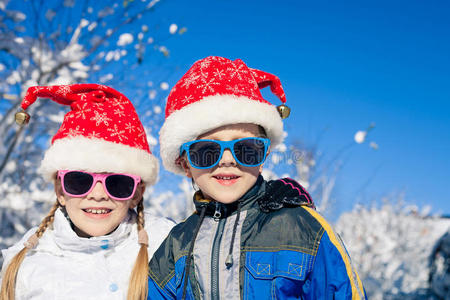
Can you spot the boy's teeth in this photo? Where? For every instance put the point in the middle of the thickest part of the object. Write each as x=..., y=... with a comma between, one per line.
x=226, y=177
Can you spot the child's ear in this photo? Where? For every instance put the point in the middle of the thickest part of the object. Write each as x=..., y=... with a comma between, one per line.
x=183, y=163
x=59, y=192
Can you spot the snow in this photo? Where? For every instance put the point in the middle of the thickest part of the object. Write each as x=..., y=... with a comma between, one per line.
x=84, y=23
x=374, y=145
x=105, y=12
x=125, y=39
x=17, y=16
x=164, y=86
x=152, y=94
x=360, y=136
x=73, y=52
x=173, y=28
x=164, y=50
x=157, y=109
x=106, y=77
x=3, y=4
x=391, y=246
x=19, y=40
x=281, y=147
x=80, y=74
x=57, y=118
x=11, y=166
x=92, y=26
x=79, y=66
x=276, y=158
x=109, y=56
x=13, y=78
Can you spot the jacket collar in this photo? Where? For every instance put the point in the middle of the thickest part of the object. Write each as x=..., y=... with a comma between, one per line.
x=220, y=210
x=67, y=239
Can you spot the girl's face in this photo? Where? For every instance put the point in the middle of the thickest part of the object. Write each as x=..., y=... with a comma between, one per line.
x=96, y=214
x=227, y=181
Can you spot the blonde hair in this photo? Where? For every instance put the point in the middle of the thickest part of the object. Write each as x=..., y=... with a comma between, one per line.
x=9, y=279
x=138, y=286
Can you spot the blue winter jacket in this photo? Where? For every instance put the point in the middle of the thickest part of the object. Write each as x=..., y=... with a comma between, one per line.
x=256, y=248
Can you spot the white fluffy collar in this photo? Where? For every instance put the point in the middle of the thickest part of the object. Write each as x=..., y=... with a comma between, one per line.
x=67, y=240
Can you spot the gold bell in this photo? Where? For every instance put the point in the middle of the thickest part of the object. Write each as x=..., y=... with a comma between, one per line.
x=22, y=118
x=284, y=111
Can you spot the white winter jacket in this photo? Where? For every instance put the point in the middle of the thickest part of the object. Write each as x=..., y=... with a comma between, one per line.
x=66, y=266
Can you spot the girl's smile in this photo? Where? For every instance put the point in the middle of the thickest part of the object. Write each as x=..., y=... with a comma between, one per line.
x=96, y=214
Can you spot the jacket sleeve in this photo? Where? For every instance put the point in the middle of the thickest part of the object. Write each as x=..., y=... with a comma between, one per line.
x=9, y=253
x=161, y=279
x=156, y=292
x=332, y=275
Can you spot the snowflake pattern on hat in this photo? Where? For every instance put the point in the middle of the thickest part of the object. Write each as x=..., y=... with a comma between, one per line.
x=96, y=111
x=219, y=76
x=101, y=132
x=214, y=92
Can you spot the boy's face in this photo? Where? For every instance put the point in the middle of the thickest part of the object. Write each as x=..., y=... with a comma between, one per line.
x=227, y=181
x=96, y=214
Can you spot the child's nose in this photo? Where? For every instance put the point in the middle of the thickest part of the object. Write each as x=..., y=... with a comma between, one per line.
x=98, y=192
x=227, y=159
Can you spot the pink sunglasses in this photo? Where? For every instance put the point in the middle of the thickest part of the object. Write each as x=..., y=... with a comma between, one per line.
x=116, y=185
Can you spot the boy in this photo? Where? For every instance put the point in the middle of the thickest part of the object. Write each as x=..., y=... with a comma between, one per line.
x=248, y=239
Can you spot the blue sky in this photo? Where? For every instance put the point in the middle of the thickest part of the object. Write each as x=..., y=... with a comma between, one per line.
x=344, y=65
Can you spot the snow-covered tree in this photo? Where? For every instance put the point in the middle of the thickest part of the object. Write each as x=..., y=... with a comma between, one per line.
x=316, y=171
x=390, y=245
x=118, y=43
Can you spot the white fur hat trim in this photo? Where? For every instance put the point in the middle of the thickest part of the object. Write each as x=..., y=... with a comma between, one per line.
x=97, y=155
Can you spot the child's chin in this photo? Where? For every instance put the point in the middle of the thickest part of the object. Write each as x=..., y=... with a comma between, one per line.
x=97, y=231
x=226, y=199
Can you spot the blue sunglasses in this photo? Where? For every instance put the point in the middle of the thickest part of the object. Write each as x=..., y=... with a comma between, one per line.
x=205, y=154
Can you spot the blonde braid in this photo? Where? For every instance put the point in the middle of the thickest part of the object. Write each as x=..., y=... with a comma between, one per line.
x=47, y=221
x=9, y=280
x=140, y=215
x=138, y=288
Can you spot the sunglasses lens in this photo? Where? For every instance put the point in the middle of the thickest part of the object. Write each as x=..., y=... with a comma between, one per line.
x=204, y=154
x=77, y=183
x=120, y=186
x=250, y=151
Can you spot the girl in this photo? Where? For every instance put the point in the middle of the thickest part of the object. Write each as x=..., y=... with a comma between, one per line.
x=249, y=238
x=93, y=244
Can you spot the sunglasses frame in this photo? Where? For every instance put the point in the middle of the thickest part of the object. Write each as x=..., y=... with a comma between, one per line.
x=96, y=178
x=223, y=146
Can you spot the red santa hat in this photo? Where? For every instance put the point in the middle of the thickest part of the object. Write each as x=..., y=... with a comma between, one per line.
x=101, y=133
x=215, y=92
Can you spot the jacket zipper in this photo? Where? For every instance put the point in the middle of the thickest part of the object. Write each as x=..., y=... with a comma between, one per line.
x=215, y=260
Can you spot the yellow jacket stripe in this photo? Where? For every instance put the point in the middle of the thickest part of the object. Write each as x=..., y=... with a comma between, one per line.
x=357, y=288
